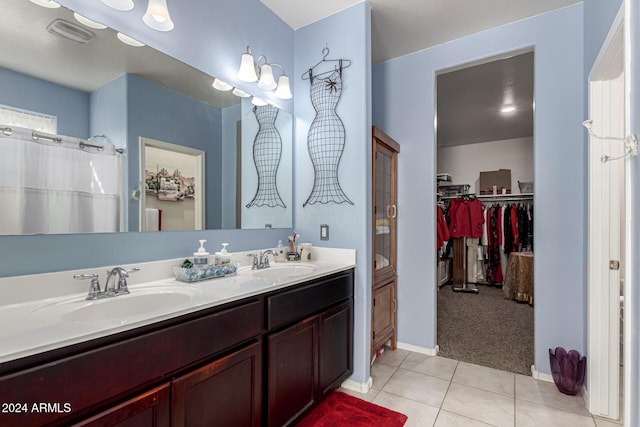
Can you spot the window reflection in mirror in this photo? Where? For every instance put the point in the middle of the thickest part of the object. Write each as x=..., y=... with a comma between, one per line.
x=126, y=93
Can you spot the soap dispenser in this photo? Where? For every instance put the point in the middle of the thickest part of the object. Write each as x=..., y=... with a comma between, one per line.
x=223, y=257
x=201, y=256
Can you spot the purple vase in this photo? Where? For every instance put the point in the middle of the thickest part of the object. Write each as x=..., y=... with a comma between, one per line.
x=567, y=369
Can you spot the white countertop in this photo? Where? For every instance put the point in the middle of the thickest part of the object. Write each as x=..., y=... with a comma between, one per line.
x=32, y=308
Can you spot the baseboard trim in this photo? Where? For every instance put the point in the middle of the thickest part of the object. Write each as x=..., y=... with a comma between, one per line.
x=418, y=349
x=540, y=375
x=359, y=387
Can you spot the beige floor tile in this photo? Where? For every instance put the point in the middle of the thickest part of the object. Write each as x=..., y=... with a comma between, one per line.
x=416, y=386
x=435, y=366
x=481, y=405
x=419, y=414
x=532, y=415
x=448, y=419
x=364, y=396
x=606, y=423
x=547, y=394
x=484, y=378
x=380, y=373
x=392, y=357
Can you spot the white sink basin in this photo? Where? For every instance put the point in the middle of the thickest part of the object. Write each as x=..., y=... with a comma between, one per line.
x=143, y=300
x=286, y=271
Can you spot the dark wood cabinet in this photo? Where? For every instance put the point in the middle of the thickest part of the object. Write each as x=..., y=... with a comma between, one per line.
x=224, y=393
x=385, y=223
x=150, y=409
x=206, y=368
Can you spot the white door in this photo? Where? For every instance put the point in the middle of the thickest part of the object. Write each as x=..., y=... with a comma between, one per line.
x=606, y=225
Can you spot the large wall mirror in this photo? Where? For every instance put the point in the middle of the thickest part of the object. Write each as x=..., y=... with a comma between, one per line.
x=88, y=87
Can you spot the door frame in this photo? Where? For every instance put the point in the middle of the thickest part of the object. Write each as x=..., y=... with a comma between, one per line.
x=607, y=103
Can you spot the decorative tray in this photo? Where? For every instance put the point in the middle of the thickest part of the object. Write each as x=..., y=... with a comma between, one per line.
x=195, y=274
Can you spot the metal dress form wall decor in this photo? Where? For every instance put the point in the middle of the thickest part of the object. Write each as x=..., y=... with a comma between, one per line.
x=267, y=150
x=326, y=137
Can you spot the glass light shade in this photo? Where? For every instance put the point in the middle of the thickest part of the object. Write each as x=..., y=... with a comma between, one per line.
x=119, y=4
x=247, y=71
x=508, y=109
x=129, y=40
x=50, y=4
x=283, y=91
x=221, y=85
x=267, y=82
x=258, y=102
x=240, y=93
x=157, y=16
x=88, y=22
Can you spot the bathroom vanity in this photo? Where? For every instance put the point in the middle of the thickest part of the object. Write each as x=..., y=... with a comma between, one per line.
x=251, y=349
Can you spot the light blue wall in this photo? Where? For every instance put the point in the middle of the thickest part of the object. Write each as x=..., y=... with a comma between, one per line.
x=404, y=106
x=632, y=315
x=108, y=110
x=165, y=115
x=70, y=106
x=230, y=117
x=347, y=35
x=209, y=35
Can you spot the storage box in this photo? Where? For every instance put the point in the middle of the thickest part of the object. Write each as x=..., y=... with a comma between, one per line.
x=500, y=178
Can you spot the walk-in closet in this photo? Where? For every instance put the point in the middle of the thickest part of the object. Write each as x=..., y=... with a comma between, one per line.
x=485, y=213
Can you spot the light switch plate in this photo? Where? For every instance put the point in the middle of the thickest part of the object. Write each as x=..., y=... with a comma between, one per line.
x=324, y=231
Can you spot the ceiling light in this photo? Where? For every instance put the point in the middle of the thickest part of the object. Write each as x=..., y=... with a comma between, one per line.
x=507, y=109
x=221, y=85
x=46, y=3
x=267, y=82
x=129, y=40
x=240, y=93
x=119, y=4
x=247, y=71
x=157, y=16
x=283, y=91
x=258, y=102
x=88, y=22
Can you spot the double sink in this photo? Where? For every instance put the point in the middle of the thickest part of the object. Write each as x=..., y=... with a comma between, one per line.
x=162, y=297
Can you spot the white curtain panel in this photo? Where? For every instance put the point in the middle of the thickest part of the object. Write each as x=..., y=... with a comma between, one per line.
x=52, y=188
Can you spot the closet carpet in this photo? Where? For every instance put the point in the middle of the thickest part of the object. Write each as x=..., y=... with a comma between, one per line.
x=485, y=329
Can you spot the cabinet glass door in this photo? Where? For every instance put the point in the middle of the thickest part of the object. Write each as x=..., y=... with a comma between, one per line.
x=385, y=210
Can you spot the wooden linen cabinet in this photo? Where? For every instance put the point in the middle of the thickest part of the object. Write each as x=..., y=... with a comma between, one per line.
x=384, y=283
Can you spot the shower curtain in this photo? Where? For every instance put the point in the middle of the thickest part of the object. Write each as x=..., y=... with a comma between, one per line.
x=50, y=187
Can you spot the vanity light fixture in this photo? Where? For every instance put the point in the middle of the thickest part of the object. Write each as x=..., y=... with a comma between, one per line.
x=247, y=72
x=123, y=5
x=88, y=22
x=221, y=85
x=157, y=16
x=240, y=93
x=50, y=4
x=129, y=40
x=264, y=75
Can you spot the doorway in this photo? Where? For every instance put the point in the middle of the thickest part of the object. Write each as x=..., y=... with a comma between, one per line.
x=485, y=178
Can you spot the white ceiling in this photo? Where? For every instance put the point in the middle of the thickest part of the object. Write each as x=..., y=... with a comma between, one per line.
x=399, y=27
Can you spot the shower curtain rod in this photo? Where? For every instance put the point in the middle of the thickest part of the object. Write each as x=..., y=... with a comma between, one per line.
x=7, y=131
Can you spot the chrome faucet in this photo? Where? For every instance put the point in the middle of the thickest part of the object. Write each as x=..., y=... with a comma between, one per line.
x=117, y=288
x=262, y=261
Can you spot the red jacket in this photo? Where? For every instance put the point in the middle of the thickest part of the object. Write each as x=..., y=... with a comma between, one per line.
x=442, y=230
x=465, y=218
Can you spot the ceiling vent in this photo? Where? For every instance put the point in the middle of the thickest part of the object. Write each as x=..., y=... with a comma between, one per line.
x=70, y=31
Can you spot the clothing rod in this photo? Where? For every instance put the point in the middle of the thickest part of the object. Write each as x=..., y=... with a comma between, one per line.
x=505, y=197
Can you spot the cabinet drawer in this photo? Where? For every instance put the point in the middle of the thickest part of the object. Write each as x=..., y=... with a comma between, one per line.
x=296, y=304
x=94, y=378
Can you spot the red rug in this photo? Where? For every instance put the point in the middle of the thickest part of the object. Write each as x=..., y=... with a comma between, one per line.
x=342, y=410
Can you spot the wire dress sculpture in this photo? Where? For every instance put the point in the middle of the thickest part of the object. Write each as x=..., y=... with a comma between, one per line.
x=326, y=137
x=267, y=150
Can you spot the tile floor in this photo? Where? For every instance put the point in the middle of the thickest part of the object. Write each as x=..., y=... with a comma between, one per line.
x=439, y=392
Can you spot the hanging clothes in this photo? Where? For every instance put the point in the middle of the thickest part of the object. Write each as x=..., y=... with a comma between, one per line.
x=442, y=228
x=465, y=218
x=494, y=266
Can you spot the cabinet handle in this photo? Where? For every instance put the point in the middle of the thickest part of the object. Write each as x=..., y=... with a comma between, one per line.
x=395, y=211
x=395, y=303
x=388, y=211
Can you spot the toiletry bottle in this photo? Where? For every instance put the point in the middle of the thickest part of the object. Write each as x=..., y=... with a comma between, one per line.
x=201, y=256
x=223, y=257
x=281, y=251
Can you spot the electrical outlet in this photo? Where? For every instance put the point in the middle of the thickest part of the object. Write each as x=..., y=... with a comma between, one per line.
x=324, y=232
